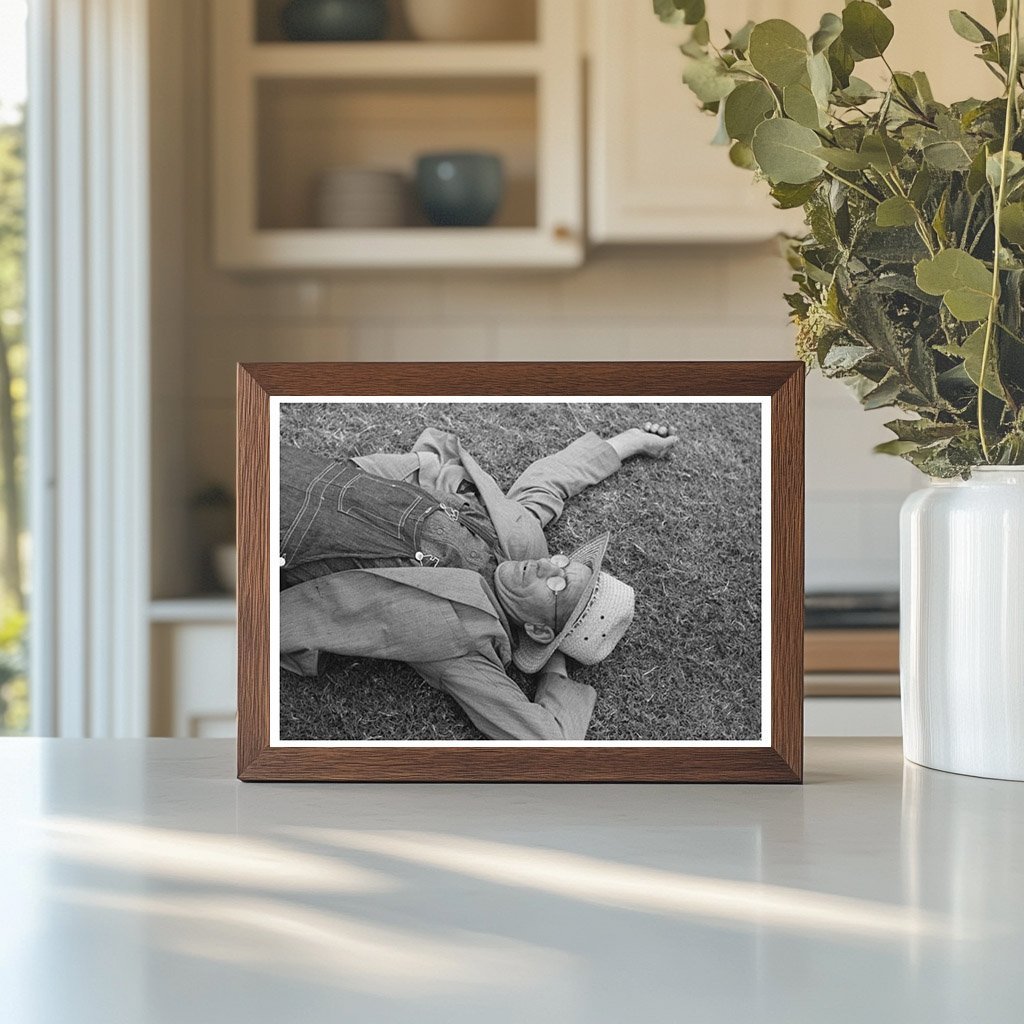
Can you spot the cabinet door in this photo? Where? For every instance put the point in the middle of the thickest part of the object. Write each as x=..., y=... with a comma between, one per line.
x=653, y=174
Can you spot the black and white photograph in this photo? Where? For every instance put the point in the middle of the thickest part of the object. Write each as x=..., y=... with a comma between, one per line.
x=540, y=570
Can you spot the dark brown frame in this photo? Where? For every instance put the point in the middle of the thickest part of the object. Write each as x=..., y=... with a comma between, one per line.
x=782, y=761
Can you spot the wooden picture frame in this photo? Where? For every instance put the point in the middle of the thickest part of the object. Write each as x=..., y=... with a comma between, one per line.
x=776, y=757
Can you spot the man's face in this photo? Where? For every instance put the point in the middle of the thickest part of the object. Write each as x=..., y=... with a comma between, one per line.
x=528, y=598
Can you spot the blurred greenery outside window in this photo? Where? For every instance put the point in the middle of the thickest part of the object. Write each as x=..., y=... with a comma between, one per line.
x=14, y=548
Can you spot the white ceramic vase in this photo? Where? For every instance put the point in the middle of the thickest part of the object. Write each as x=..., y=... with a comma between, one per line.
x=962, y=624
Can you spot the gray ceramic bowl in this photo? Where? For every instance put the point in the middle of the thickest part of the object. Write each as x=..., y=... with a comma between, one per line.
x=460, y=189
x=334, y=20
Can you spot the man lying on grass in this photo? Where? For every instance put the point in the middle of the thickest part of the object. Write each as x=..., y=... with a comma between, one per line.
x=421, y=558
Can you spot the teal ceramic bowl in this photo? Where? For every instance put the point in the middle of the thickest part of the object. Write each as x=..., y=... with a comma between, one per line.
x=461, y=190
x=333, y=21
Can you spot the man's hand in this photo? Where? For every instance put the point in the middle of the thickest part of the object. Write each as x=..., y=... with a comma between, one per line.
x=653, y=439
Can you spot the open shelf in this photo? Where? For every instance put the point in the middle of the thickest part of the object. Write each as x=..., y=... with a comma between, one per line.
x=305, y=128
x=287, y=113
x=520, y=17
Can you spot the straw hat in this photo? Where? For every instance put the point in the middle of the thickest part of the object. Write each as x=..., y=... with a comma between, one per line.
x=597, y=623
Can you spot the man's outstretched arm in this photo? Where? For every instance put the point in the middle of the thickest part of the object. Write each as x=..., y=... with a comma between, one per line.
x=546, y=485
x=501, y=711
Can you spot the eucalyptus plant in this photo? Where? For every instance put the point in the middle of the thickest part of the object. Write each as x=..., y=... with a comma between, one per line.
x=909, y=281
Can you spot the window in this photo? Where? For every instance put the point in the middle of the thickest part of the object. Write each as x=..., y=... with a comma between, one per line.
x=14, y=548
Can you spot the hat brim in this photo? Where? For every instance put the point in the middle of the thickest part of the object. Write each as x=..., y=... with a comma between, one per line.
x=530, y=656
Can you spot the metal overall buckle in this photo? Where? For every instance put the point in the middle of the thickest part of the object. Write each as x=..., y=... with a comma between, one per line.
x=428, y=561
x=451, y=513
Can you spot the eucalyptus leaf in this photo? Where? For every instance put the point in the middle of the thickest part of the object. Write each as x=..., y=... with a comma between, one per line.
x=907, y=89
x=947, y=156
x=741, y=155
x=939, y=220
x=972, y=352
x=744, y=67
x=969, y=28
x=739, y=41
x=884, y=395
x=844, y=159
x=1012, y=223
x=976, y=178
x=789, y=197
x=967, y=304
x=924, y=87
x=745, y=108
x=895, y=447
x=779, y=51
x=858, y=91
x=675, y=12
x=668, y=11
x=994, y=169
x=695, y=11
x=785, y=152
x=923, y=431
x=820, y=76
x=829, y=30
x=883, y=153
x=800, y=105
x=963, y=281
x=921, y=185
x=866, y=29
x=841, y=60
x=708, y=81
x=895, y=212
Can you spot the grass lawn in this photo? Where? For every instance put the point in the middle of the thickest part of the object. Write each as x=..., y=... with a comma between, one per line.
x=686, y=534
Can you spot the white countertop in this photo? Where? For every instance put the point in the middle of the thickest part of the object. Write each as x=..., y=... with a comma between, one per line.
x=142, y=884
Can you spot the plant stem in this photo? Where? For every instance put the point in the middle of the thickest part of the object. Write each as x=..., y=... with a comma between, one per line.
x=981, y=231
x=922, y=225
x=850, y=184
x=970, y=217
x=993, y=309
x=1012, y=334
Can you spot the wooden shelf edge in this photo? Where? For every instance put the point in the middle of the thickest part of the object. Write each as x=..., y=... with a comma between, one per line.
x=392, y=60
x=212, y=608
x=852, y=650
x=313, y=248
x=851, y=684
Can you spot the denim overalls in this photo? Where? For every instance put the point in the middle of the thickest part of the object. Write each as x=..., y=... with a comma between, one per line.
x=336, y=516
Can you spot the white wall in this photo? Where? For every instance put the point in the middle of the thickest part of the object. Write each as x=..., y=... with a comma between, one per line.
x=657, y=303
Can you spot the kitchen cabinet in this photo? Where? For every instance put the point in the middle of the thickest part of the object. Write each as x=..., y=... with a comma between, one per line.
x=193, y=670
x=286, y=113
x=653, y=175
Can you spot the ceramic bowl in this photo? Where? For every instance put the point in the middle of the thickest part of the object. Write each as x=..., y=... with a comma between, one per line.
x=360, y=197
x=460, y=189
x=334, y=20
